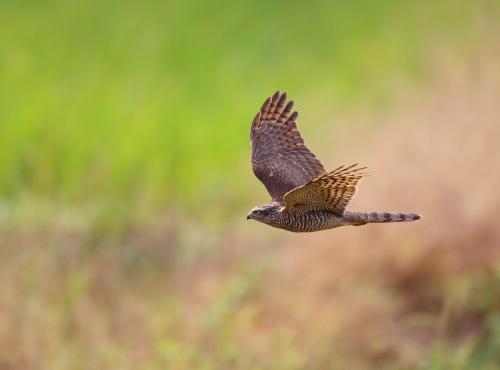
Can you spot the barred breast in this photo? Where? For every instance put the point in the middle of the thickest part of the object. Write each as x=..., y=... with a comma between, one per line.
x=309, y=221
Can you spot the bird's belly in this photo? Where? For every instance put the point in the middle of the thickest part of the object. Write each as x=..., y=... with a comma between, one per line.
x=310, y=221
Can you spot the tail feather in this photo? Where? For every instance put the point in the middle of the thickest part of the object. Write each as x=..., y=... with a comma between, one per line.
x=361, y=218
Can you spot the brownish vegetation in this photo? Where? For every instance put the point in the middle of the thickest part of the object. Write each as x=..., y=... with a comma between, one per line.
x=395, y=294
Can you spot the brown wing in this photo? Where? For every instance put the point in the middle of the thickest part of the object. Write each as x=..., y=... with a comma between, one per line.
x=280, y=158
x=331, y=191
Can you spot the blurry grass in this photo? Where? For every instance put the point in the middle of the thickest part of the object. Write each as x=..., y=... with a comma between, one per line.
x=148, y=105
x=110, y=111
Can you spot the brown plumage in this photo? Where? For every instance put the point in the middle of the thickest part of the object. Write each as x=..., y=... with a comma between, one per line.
x=304, y=196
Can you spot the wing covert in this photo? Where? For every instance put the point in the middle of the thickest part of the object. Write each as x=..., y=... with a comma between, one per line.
x=331, y=191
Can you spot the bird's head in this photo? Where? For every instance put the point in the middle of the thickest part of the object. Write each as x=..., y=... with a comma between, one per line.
x=266, y=213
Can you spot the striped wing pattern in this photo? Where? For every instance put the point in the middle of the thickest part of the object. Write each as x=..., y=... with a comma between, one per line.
x=330, y=191
x=280, y=158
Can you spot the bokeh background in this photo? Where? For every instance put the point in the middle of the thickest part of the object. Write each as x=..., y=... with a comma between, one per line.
x=125, y=181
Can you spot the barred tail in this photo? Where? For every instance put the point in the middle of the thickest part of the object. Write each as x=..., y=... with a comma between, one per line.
x=361, y=218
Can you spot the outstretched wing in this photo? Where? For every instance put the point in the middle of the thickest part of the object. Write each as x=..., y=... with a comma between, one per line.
x=280, y=158
x=331, y=191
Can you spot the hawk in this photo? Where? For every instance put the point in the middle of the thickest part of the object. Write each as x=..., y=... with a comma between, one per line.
x=304, y=197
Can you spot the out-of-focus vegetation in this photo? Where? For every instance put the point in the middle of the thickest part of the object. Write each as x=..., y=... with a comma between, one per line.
x=125, y=178
x=150, y=102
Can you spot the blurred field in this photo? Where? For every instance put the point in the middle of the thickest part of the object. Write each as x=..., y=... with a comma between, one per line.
x=125, y=179
x=106, y=100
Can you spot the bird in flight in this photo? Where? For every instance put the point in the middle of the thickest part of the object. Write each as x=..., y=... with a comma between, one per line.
x=304, y=197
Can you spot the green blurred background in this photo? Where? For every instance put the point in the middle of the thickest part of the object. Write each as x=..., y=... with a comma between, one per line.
x=150, y=102
x=125, y=176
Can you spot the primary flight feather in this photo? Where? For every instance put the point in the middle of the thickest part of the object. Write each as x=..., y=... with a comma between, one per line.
x=304, y=197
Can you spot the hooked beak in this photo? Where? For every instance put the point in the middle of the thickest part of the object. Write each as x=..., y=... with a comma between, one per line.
x=249, y=216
